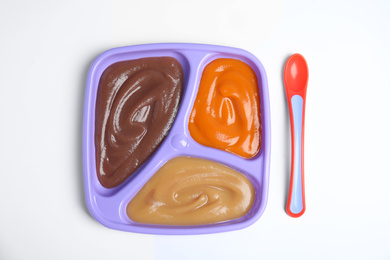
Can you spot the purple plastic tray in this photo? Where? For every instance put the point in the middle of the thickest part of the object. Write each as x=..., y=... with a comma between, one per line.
x=108, y=206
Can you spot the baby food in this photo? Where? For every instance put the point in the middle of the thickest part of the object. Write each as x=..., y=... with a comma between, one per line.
x=192, y=191
x=137, y=101
x=226, y=112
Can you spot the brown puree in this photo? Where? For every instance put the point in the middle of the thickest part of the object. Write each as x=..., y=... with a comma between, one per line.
x=192, y=191
x=136, y=104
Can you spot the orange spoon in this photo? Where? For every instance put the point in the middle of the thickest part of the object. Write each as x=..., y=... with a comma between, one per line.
x=296, y=75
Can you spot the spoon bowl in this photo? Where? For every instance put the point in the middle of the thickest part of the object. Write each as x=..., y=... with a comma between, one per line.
x=296, y=73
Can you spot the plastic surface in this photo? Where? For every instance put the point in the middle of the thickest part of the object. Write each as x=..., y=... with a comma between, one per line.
x=108, y=206
x=295, y=79
x=296, y=204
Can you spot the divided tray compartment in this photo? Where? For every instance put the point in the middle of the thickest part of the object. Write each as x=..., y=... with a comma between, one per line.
x=108, y=206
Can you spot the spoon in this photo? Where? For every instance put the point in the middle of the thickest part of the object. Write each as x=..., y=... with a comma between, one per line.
x=296, y=75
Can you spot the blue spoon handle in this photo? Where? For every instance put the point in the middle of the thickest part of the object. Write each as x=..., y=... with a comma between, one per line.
x=296, y=200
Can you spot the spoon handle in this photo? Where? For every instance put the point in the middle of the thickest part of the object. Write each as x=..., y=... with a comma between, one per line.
x=296, y=198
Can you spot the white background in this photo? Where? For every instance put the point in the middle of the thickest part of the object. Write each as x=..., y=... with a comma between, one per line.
x=46, y=48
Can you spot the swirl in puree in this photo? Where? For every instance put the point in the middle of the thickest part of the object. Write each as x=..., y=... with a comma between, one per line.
x=136, y=104
x=192, y=191
x=226, y=112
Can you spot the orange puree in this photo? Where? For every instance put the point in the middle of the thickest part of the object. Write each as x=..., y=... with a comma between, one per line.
x=192, y=191
x=226, y=112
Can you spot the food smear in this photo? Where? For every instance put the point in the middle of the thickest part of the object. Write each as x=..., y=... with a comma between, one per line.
x=226, y=112
x=136, y=104
x=192, y=191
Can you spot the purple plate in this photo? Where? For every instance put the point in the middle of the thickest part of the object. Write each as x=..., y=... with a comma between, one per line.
x=108, y=206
